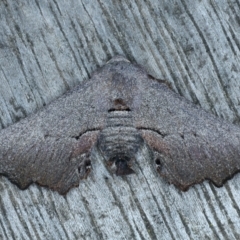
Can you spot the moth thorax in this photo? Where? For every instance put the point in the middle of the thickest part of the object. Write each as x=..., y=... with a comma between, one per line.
x=119, y=139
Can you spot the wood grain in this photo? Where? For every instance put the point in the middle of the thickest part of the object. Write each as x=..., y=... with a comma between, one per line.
x=47, y=47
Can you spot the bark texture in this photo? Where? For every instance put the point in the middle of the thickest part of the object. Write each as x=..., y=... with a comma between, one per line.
x=48, y=47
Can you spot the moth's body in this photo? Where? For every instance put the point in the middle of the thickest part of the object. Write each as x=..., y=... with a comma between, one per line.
x=119, y=141
x=120, y=110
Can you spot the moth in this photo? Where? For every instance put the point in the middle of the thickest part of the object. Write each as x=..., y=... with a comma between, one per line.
x=120, y=110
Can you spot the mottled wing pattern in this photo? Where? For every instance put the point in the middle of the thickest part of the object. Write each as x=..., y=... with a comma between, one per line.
x=52, y=147
x=190, y=144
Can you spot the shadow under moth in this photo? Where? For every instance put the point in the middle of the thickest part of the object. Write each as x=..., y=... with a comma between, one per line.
x=120, y=110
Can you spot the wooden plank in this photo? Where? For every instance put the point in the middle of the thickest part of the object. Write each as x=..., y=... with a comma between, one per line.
x=48, y=47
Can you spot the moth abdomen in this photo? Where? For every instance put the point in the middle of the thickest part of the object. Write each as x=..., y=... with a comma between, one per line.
x=119, y=141
x=119, y=118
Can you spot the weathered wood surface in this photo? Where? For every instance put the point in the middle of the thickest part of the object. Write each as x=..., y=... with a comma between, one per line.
x=48, y=47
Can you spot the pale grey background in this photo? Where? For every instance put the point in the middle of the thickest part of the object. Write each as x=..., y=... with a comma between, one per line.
x=48, y=47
